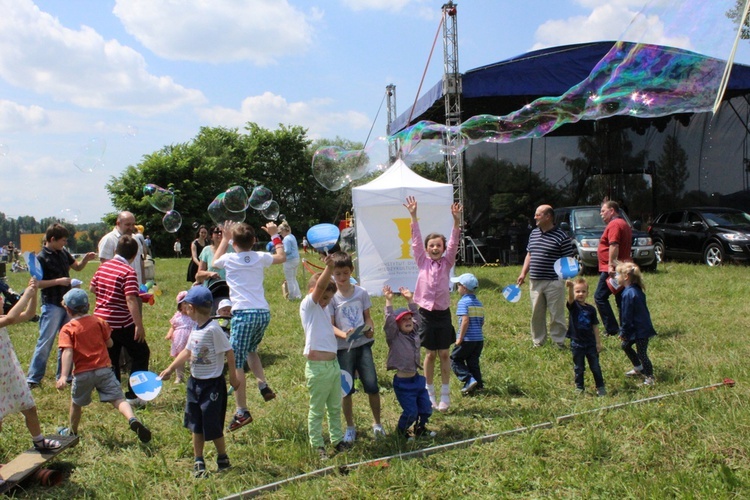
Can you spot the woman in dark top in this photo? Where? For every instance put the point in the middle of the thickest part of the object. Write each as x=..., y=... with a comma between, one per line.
x=196, y=247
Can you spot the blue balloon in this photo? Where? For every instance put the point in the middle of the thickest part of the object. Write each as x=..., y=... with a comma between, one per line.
x=323, y=237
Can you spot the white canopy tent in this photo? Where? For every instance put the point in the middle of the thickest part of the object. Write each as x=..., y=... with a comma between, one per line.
x=383, y=228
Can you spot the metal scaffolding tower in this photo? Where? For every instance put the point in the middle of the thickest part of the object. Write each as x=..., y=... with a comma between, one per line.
x=390, y=92
x=452, y=89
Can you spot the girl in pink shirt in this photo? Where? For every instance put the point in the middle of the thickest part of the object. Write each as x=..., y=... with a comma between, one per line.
x=435, y=260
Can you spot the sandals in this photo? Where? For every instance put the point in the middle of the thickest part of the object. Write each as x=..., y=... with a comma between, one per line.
x=46, y=444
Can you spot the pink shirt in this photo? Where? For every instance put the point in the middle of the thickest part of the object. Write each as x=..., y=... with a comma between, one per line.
x=433, y=283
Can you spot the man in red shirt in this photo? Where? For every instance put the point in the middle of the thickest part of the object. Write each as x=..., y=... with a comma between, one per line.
x=614, y=247
x=115, y=285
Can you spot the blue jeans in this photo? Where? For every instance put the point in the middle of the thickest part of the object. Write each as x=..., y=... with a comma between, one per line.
x=359, y=360
x=465, y=361
x=580, y=355
x=411, y=394
x=52, y=319
x=601, y=298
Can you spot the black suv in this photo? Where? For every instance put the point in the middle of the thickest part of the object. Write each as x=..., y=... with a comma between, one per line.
x=585, y=225
x=708, y=234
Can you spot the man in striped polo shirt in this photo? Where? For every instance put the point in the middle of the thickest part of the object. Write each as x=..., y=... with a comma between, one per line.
x=547, y=243
x=117, y=302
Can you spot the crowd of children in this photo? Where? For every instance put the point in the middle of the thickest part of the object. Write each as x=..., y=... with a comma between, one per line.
x=339, y=335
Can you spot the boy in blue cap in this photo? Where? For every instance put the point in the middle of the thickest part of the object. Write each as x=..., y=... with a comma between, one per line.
x=84, y=341
x=469, y=339
x=206, y=405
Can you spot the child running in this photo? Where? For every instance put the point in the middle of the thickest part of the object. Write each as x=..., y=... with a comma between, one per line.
x=435, y=260
x=250, y=310
x=350, y=309
x=635, y=322
x=470, y=339
x=179, y=330
x=583, y=333
x=322, y=370
x=15, y=395
x=403, y=356
x=206, y=405
x=84, y=341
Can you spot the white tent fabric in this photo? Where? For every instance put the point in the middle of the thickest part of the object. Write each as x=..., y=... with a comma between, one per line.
x=383, y=228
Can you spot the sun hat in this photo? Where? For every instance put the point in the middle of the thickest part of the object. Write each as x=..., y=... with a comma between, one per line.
x=181, y=296
x=199, y=296
x=401, y=313
x=224, y=303
x=468, y=280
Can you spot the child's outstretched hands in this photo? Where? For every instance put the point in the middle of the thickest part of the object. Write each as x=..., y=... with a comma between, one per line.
x=271, y=228
x=456, y=210
x=411, y=205
x=569, y=283
x=387, y=292
x=227, y=229
x=406, y=293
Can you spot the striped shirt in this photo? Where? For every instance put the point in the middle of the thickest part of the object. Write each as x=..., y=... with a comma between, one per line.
x=470, y=306
x=112, y=283
x=545, y=248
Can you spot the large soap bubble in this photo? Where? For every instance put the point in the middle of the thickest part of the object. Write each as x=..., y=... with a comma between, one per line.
x=236, y=199
x=259, y=197
x=70, y=215
x=219, y=213
x=159, y=198
x=172, y=221
x=91, y=155
x=336, y=167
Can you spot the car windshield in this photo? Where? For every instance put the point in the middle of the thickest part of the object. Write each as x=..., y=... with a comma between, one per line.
x=727, y=218
x=590, y=218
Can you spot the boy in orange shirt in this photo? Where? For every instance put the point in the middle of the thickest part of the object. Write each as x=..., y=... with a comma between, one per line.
x=84, y=342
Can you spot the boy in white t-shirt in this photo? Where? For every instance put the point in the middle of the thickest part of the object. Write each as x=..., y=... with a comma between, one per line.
x=206, y=405
x=250, y=311
x=322, y=370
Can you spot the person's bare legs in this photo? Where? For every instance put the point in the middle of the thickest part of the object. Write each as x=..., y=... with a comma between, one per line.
x=375, y=407
x=32, y=421
x=347, y=407
x=253, y=360
x=240, y=393
x=429, y=366
x=445, y=365
x=198, y=445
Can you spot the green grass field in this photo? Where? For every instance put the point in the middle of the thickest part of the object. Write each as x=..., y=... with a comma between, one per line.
x=688, y=445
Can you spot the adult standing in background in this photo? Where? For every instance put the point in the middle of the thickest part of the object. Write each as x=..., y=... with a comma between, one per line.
x=547, y=243
x=196, y=247
x=125, y=225
x=614, y=247
x=292, y=261
x=148, y=245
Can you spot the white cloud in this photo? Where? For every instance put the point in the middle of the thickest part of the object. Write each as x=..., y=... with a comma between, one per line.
x=14, y=117
x=218, y=31
x=608, y=20
x=79, y=66
x=269, y=110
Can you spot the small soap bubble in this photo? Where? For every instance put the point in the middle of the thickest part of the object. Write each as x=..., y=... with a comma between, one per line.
x=91, y=155
x=270, y=210
x=259, y=197
x=172, y=221
x=159, y=198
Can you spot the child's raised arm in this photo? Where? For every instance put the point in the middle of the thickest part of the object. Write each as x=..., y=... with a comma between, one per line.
x=323, y=279
x=24, y=309
x=569, y=284
x=407, y=294
x=411, y=206
x=388, y=294
x=273, y=231
x=226, y=234
x=456, y=210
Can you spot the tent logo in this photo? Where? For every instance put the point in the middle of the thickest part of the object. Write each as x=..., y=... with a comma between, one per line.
x=404, y=234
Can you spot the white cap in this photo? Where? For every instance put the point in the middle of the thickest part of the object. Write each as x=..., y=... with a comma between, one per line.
x=224, y=303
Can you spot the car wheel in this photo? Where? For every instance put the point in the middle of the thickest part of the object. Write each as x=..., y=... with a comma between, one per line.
x=659, y=251
x=713, y=255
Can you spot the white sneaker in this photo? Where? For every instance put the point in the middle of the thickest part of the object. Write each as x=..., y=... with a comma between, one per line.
x=445, y=399
x=635, y=372
x=378, y=431
x=649, y=381
x=350, y=435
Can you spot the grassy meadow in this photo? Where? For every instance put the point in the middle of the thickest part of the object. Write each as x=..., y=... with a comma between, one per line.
x=688, y=445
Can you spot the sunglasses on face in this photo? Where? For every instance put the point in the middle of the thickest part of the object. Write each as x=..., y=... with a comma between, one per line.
x=217, y=232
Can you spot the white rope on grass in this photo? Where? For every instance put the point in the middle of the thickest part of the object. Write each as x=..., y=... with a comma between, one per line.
x=465, y=443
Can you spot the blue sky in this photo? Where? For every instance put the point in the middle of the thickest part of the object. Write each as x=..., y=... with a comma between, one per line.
x=131, y=76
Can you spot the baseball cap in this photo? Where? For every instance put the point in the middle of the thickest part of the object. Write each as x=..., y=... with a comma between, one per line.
x=199, y=296
x=224, y=303
x=76, y=299
x=401, y=313
x=468, y=280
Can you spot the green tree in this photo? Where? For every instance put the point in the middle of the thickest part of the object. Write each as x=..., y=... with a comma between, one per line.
x=216, y=159
x=735, y=13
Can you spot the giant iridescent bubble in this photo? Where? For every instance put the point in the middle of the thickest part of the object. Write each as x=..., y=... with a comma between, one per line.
x=90, y=155
x=236, y=199
x=638, y=77
x=259, y=197
x=335, y=167
x=172, y=221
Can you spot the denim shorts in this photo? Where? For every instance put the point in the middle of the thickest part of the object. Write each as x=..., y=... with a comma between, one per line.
x=101, y=379
x=359, y=359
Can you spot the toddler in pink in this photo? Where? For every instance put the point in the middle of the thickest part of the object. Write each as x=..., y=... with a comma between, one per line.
x=180, y=327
